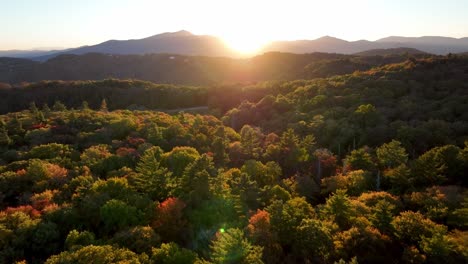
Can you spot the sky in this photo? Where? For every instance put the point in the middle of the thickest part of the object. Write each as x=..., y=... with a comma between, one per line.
x=243, y=24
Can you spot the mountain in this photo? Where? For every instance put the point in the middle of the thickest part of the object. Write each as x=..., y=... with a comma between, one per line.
x=28, y=53
x=185, y=43
x=324, y=44
x=430, y=44
x=180, y=42
x=434, y=45
x=388, y=52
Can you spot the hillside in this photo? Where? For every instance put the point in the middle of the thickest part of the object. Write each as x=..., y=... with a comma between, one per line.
x=179, y=69
x=394, y=51
x=368, y=167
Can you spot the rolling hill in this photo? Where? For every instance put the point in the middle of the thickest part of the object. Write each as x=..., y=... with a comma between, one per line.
x=388, y=52
x=183, y=69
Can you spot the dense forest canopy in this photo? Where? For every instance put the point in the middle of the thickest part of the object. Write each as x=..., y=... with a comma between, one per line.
x=365, y=164
x=192, y=70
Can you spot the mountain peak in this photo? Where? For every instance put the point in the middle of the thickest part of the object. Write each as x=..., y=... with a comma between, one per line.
x=180, y=33
x=330, y=38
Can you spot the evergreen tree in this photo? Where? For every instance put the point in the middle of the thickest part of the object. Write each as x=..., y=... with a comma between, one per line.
x=151, y=177
x=59, y=106
x=231, y=246
x=103, y=107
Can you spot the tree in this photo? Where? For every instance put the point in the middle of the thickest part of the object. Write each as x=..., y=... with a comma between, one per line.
x=441, y=164
x=220, y=146
x=459, y=217
x=33, y=109
x=85, y=106
x=169, y=219
x=398, y=179
x=243, y=187
x=359, y=181
x=97, y=254
x=259, y=230
x=138, y=239
x=411, y=227
x=152, y=178
x=366, y=115
x=250, y=141
x=59, y=106
x=196, y=180
x=171, y=253
x=360, y=159
x=438, y=247
x=382, y=216
x=315, y=240
x=117, y=215
x=291, y=152
x=263, y=174
x=286, y=217
x=338, y=208
x=392, y=154
x=5, y=140
x=178, y=159
x=231, y=246
x=76, y=239
x=103, y=107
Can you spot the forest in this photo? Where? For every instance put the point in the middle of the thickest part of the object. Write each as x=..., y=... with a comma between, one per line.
x=366, y=163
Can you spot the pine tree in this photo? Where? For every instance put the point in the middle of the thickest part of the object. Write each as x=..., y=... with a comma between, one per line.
x=151, y=177
x=231, y=246
x=59, y=106
x=46, y=110
x=85, y=106
x=4, y=138
x=103, y=107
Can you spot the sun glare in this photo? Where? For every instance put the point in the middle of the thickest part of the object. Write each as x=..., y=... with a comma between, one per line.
x=244, y=44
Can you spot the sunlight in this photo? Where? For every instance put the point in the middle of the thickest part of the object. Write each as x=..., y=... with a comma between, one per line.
x=245, y=44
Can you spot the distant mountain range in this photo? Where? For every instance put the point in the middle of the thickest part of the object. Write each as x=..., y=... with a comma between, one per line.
x=186, y=43
x=433, y=45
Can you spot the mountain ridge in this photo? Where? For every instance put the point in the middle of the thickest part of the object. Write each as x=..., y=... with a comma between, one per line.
x=184, y=42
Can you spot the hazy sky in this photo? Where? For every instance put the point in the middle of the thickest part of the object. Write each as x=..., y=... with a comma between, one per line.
x=26, y=24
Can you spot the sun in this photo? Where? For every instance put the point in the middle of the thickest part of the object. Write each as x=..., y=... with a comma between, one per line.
x=245, y=44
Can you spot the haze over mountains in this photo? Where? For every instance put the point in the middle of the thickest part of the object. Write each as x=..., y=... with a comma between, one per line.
x=185, y=43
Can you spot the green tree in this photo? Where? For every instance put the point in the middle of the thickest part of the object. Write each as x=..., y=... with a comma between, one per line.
x=286, y=217
x=76, y=239
x=338, y=208
x=151, y=177
x=85, y=106
x=103, y=107
x=97, y=254
x=392, y=154
x=117, y=215
x=231, y=246
x=59, y=106
x=366, y=116
x=171, y=253
x=360, y=159
x=138, y=239
x=178, y=159
x=250, y=141
x=5, y=140
x=411, y=227
x=315, y=240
